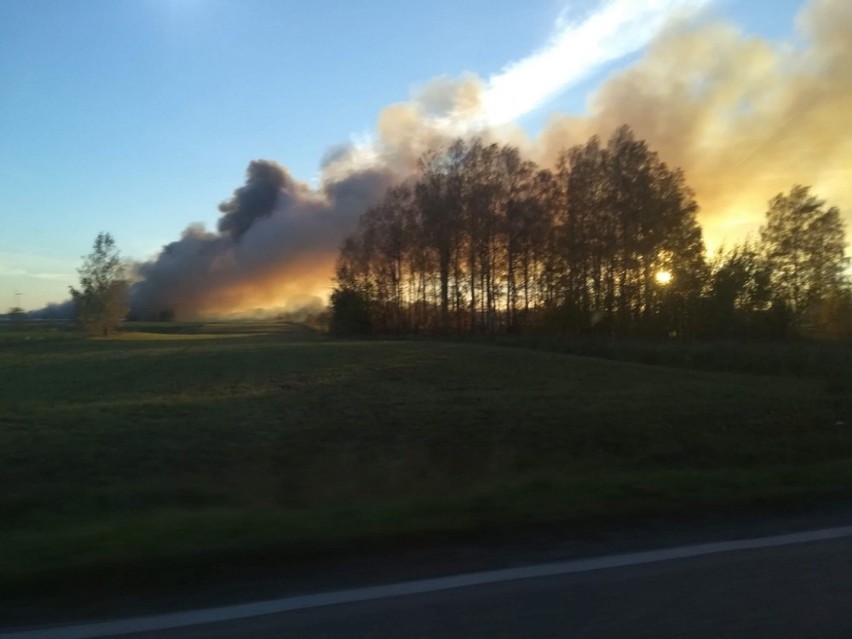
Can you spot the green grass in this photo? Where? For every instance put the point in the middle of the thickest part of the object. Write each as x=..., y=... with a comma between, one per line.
x=189, y=444
x=825, y=360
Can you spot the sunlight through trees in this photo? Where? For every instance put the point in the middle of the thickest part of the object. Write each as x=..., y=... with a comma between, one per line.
x=487, y=242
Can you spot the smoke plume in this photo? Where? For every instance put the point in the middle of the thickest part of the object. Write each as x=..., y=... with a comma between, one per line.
x=744, y=117
x=275, y=248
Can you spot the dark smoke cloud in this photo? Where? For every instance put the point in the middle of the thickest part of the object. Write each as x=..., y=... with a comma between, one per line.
x=278, y=238
x=275, y=247
x=61, y=311
x=266, y=183
x=745, y=117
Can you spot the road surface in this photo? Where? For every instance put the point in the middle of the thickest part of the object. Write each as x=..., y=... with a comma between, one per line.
x=794, y=585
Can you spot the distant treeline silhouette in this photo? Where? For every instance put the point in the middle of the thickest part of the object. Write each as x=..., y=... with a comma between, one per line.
x=484, y=241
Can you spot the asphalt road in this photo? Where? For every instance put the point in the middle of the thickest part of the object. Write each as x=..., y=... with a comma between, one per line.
x=801, y=589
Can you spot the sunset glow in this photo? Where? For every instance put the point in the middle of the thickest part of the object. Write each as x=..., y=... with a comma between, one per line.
x=747, y=101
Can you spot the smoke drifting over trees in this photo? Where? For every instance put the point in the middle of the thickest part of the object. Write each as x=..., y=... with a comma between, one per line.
x=485, y=242
x=744, y=117
x=276, y=239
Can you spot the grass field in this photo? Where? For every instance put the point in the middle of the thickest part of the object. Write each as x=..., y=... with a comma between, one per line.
x=193, y=444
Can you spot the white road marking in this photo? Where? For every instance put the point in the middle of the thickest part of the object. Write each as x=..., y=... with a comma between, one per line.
x=288, y=604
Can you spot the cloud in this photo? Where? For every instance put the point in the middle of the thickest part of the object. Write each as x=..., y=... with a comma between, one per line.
x=448, y=107
x=276, y=245
x=578, y=48
x=745, y=117
x=32, y=265
x=53, y=277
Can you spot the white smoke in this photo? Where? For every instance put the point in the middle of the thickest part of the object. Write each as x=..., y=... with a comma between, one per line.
x=577, y=49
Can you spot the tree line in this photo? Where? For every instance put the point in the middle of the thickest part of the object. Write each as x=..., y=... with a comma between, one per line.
x=484, y=241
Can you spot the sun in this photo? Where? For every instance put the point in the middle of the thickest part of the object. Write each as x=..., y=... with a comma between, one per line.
x=663, y=277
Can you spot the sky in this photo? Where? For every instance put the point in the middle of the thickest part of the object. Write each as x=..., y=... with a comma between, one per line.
x=139, y=118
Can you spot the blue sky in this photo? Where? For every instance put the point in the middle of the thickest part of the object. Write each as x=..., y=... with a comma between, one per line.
x=138, y=118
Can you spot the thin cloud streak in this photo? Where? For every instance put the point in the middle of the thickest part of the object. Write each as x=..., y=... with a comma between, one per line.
x=20, y=272
x=577, y=49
